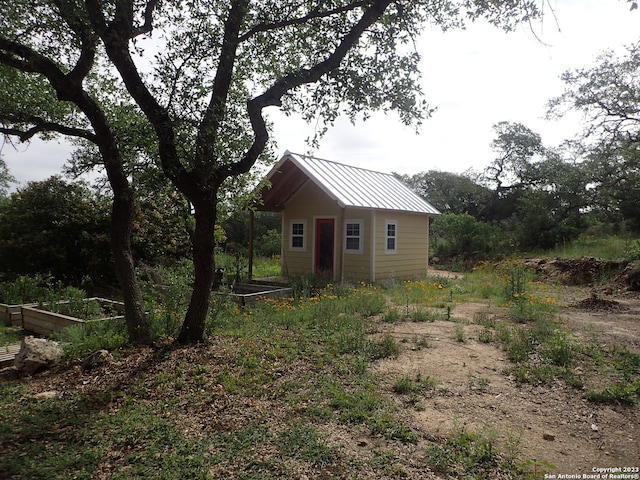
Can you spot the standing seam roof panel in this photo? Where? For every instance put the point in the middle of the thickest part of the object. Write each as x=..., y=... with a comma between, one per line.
x=357, y=187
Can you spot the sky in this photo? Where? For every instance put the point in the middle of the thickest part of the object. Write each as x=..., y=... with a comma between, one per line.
x=475, y=78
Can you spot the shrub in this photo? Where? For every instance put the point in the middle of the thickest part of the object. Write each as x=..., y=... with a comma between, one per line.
x=461, y=235
x=632, y=252
x=385, y=348
x=91, y=336
x=24, y=289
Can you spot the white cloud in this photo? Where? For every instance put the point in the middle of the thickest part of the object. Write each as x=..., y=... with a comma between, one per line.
x=36, y=160
x=475, y=78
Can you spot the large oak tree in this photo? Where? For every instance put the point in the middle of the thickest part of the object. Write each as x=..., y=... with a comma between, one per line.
x=607, y=94
x=203, y=84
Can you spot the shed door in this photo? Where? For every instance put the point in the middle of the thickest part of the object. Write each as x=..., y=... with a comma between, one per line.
x=324, y=247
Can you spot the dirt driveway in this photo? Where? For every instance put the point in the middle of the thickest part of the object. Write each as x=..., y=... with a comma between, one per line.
x=553, y=423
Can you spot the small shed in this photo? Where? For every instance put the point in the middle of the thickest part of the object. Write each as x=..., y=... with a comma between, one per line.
x=346, y=223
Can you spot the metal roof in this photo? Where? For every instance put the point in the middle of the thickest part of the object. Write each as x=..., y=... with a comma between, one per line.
x=348, y=186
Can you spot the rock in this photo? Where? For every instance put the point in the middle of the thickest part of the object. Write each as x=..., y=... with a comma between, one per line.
x=548, y=436
x=37, y=353
x=47, y=395
x=97, y=359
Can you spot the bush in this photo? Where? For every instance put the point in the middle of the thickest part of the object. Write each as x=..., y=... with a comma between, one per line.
x=57, y=227
x=632, y=252
x=268, y=244
x=26, y=289
x=91, y=336
x=461, y=235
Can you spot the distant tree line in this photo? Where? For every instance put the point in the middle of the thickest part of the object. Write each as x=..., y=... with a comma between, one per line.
x=61, y=227
x=528, y=197
x=534, y=197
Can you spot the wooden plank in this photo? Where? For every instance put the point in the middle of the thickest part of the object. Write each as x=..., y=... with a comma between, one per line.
x=8, y=354
x=12, y=314
x=5, y=316
x=37, y=325
x=44, y=322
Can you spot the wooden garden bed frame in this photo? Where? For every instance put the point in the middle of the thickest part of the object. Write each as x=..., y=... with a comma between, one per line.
x=12, y=314
x=246, y=294
x=44, y=322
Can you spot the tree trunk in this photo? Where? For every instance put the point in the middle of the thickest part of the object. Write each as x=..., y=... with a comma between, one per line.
x=122, y=212
x=192, y=330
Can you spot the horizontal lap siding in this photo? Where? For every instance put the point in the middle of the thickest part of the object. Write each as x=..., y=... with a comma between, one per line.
x=410, y=258
x=308, y=203
x=357, y=266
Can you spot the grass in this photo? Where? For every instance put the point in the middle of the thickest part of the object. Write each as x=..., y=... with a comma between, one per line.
x=610, y=247
x=275, y=388
x=413, y=384
x=469, y=454
x=10, y=335
x=459, y=335
x=543, y=351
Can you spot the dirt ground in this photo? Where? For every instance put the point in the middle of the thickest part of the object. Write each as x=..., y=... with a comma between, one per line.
x=554, y=423
x=551, y=424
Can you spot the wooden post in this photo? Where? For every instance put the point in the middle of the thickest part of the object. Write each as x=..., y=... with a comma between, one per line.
x=342, y=239
x=251, y=219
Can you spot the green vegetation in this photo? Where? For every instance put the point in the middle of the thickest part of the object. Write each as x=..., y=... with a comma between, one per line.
x=460, y=336
x=79, y=340
x=414, y=385
x=607, y=247
x=470, y=455
x=9, y=335
x=260, y=398
x=30, y=289
x=543, y=351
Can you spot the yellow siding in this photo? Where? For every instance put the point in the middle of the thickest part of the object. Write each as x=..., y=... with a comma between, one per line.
x=309, y=203
x=357, y=266
x=410, y=258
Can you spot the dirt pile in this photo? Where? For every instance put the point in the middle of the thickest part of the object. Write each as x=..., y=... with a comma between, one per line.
x=596, y=304
x=620, y=274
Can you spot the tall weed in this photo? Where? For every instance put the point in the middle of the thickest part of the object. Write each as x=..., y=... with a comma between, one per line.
x=28, y=289
x=91, y=336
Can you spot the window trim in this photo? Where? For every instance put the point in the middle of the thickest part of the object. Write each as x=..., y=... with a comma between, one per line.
x=360, y=236
x=388, y=237
x=302, y=248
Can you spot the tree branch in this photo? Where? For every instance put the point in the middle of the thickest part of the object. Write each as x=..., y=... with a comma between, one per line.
x=77, y=23
x=313, y=15
x=208, y=129
x=40, y=125
x=147, y=27
x=273, y=95
x=115, y=37
x=27, y=60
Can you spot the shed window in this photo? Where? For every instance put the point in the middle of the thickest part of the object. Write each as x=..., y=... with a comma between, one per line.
x=298, y=228
x=353, y=241
x=391, y=244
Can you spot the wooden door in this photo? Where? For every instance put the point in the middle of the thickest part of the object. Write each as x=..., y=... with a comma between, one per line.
x=324, y=247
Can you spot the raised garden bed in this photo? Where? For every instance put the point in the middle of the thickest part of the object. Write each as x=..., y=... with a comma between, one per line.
x=44, y=321
x=12, y=314
x=246, y=294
